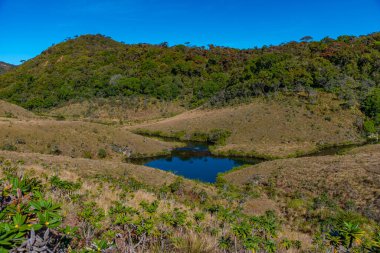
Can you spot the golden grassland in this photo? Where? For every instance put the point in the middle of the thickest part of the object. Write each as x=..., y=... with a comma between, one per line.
x=91, y=174
x=76, y=139
x=276, y=128
x=125, y=110
x=354, y=176
x=14, y=111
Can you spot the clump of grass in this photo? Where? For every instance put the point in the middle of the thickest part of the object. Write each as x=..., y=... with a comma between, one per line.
x=9, y=147
x=87, y=154
x=102, y=153
x=55, y=150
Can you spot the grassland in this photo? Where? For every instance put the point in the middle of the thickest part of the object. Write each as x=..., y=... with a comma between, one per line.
x=275, y=128
x=297, y=196
x=8, y=110
x=108, y=182
x=349, y=179
x=124, y=110
x=23, y=131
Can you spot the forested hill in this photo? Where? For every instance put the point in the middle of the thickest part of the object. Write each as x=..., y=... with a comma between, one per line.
x=4, y=67
x=97, y=66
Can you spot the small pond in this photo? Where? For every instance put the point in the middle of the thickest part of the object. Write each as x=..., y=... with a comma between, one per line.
x=195, y=161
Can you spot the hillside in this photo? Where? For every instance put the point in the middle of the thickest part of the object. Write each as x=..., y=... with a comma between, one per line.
x=270, y=128
x=4, y=67
x=9, y=110
x=76, y=139
x=97, y=66
x=115, y=199
x=70, y=118
x=123, y=109
x=351, y=181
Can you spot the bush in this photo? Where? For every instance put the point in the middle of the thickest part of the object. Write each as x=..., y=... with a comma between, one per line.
x=9, y=147
x=369, y=126
x=87, y=154
x=29, y=221
x=55, y=150
x=102, y=153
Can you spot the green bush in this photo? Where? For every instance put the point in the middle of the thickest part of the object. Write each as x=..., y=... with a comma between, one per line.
x=25, y=212
x=102, y=153
x=369, y=126
x=9, y=147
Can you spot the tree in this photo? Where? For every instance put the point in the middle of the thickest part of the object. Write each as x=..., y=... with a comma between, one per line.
x=306, y=38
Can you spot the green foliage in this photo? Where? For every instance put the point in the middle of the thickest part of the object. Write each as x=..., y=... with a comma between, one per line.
x=169, y=218
x=63, y=185
x=87, y=154
x=91, y=214
x=176, y=218
x=23, y=210
x=347, y=66
x=149, y=207
x=9, y=147
x=102, y=153
x=369, y=126
x=371, y=107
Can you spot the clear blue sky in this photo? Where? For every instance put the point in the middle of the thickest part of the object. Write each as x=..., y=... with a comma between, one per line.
x=30, y=26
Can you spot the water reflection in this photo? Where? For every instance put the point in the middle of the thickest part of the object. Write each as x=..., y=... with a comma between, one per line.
x=195, y=161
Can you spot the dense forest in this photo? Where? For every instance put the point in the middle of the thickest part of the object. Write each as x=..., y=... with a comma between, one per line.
x=96, y=66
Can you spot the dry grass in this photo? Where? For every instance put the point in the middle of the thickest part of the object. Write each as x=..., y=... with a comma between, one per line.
x=126, y=109
x=353, y=177
x=278, y=128
x=75, y=138
x=13, y=111
x=88, y=168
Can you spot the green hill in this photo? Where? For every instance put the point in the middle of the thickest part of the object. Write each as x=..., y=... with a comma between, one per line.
x=96, y=66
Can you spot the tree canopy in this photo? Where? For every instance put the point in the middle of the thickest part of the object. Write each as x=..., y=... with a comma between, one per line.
x=96, y=66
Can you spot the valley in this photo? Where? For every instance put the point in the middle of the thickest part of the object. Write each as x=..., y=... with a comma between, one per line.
x=112, y=147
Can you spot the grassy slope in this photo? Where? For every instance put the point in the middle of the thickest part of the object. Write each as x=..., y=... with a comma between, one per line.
x=277, y=128
x=125, y=109
x=31, y=133
x=89, y=168
x=14, y=111
x=75, y=138
x=104, y=194
x=351, y=177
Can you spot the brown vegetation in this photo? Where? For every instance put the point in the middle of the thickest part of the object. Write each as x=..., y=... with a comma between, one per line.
x=76, y=139
x=354, y=177
x=281, y=127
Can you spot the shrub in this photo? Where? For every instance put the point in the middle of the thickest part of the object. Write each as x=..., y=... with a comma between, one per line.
x=29, y=222
x=102, y=153
x=87, y=154
x=63, y=185
x=9, y=147
x=55, y=150
x=369, y=126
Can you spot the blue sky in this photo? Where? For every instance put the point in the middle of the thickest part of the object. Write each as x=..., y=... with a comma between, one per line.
x=28, y=27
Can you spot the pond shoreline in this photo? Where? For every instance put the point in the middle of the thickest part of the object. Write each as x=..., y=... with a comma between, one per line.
x=326, y=149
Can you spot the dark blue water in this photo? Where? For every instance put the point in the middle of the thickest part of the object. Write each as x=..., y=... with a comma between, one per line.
x=196, y=162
